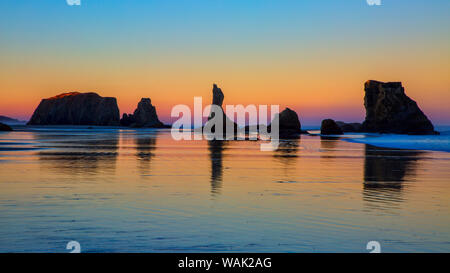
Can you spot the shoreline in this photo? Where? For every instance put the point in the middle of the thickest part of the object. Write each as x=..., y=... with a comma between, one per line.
x=435, y=143
x=438, y=143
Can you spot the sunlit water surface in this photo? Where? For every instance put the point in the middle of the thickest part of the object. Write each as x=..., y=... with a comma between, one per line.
x=118, y=190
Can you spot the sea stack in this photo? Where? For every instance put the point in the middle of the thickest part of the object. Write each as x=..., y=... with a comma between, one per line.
x=389, y=110
x=330, y=127
x=144, y=116
x=77, y=109
x=217, y=100
x=5, y=128
x=289, y=123
x=349, y=127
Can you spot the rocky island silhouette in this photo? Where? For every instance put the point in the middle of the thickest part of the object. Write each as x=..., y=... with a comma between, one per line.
x=388, y=110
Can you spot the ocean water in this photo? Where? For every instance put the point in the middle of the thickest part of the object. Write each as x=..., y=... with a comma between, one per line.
x=439, y=142
x=115, y=190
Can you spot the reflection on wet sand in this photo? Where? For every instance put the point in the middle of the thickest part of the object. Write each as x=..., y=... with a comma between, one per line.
x=80, y=154
x=230, y=196
x=286, y=155
x=384, y=174
x=216, y=148
x=328, y=143
x=145, y=148
x=327, y=147
x=287, y=151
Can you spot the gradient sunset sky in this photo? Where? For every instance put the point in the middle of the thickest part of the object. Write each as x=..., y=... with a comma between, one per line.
x=310, y=55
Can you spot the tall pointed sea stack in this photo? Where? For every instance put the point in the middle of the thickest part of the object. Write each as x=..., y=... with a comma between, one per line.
x=389, y=110
x=217, y=100
x=77, y=109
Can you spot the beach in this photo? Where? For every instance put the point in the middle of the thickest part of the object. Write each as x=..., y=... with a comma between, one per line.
x=138, y=190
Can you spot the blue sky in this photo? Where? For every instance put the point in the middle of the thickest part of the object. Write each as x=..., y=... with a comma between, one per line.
x=244, y=45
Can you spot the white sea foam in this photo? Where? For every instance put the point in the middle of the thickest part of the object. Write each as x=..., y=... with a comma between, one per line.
x=429, y=142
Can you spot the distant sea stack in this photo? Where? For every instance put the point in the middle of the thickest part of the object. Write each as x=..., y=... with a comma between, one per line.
x=349, y=127
x=77, y=109
x=330, y=127
x=8, y=120
x=289, y=123
x=144, y=116
x=5, y=128
x=389, y=110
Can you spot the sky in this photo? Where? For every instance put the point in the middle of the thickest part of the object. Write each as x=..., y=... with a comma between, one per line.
x=312, y=56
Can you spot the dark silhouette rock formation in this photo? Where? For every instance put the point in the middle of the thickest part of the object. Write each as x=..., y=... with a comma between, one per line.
x=4, y=127
x=77, y=109
x=349, y=127
x=389, y=110
x=289, y=121
x=126, y=120
x=329, y=127
x=289, y=124
x=144, y=116
x=217, y=100
x=218, y=96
